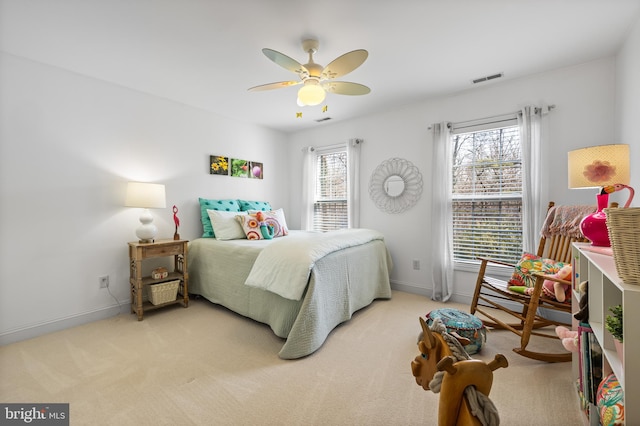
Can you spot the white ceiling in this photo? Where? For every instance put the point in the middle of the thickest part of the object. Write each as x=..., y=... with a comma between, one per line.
x=208, y=53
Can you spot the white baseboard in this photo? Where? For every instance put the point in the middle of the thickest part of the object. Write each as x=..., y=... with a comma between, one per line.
x=40, y=329
x=410, y=288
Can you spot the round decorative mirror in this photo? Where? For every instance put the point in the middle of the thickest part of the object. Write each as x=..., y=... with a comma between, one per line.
x=395, y=185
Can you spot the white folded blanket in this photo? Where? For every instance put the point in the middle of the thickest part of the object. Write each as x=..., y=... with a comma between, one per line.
x=284, y=266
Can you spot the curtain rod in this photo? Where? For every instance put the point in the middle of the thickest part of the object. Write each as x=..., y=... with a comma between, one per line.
x=334, y=146
x=496, y=118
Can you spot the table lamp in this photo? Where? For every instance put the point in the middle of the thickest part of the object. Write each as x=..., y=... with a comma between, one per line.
x=605, y=167
x=146, y=196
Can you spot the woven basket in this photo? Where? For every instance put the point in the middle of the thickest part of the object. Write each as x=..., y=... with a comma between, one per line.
x=624, y=234
x=163, y=292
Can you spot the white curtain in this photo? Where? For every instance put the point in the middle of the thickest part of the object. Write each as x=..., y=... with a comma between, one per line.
x=533, y=211
x=353, y=182
x=441, y=223
x=308, y=187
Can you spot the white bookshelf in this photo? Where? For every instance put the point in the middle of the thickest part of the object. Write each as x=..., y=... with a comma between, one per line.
x=606, y=289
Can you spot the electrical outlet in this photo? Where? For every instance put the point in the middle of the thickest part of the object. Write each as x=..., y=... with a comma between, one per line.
x=416, y=264
x=104, y=281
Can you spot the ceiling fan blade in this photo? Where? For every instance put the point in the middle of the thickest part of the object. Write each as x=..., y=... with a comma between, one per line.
x=272, y=86
x=345, y=88
x=345, y=64
x=286, y=62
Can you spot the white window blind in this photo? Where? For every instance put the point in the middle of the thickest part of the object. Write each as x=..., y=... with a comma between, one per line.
x=330, y=205
x=487, y=193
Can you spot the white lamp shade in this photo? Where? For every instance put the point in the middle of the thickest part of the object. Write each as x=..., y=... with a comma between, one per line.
x=146, y=195
x=311, y=94
x=598, y=166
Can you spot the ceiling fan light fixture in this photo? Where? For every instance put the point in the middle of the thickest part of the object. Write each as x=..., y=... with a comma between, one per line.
x=311, y=93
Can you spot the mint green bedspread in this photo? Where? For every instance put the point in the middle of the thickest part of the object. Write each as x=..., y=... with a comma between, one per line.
x=340, y=283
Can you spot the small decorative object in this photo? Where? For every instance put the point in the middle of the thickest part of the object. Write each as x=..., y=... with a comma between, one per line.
x=176, y=220
x=218, y=165
x=395, y=185
x=159, y=273
x=606, y=167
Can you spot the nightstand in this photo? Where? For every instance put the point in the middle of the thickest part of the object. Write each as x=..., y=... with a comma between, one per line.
x=138, y=253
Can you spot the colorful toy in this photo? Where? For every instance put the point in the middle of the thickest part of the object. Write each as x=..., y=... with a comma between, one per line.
x=444, y=367
x=265, y=229
x=559, y=291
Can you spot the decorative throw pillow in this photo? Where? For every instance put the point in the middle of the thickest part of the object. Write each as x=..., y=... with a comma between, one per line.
x=529, y=263
x=221, y=205
x=273, y=219
x=225, y=225
x=245, y=205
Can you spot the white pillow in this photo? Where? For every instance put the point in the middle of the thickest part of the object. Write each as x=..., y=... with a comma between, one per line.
x=279, y=215
x=225, y=226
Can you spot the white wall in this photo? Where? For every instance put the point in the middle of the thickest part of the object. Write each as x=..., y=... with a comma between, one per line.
x=628, y=101
x=583, y=116
x=68, y=146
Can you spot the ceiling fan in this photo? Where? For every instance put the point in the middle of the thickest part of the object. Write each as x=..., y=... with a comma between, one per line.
x=315, y=79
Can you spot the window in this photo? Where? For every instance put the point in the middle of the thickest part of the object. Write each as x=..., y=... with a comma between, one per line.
x=487, y=194
x=330, y=202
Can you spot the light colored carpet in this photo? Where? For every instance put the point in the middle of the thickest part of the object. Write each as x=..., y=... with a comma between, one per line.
x=208, y=366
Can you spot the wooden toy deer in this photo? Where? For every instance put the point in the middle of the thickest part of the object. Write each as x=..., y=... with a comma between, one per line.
x=433, y=347
x=463, y=383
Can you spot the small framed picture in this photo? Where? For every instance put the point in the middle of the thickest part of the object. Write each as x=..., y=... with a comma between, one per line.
x=239, y=168
x=255, y=170
x=219, y=165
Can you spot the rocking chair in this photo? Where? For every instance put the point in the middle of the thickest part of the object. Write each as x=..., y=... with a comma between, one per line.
x=560, y=230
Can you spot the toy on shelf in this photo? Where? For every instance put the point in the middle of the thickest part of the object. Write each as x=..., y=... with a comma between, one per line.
x=444, y=367
x=583, y=312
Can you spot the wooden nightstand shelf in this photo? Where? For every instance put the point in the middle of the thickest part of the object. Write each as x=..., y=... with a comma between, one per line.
x=138, y=252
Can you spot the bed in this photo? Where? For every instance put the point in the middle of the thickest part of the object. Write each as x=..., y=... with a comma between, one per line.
x=341, y=279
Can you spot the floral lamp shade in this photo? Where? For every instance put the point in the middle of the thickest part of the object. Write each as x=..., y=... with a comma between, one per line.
x=598, y=166
x=605, y=167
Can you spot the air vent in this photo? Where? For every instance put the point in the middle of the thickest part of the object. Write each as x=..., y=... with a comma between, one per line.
x=487, y=78
x=320, y=120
